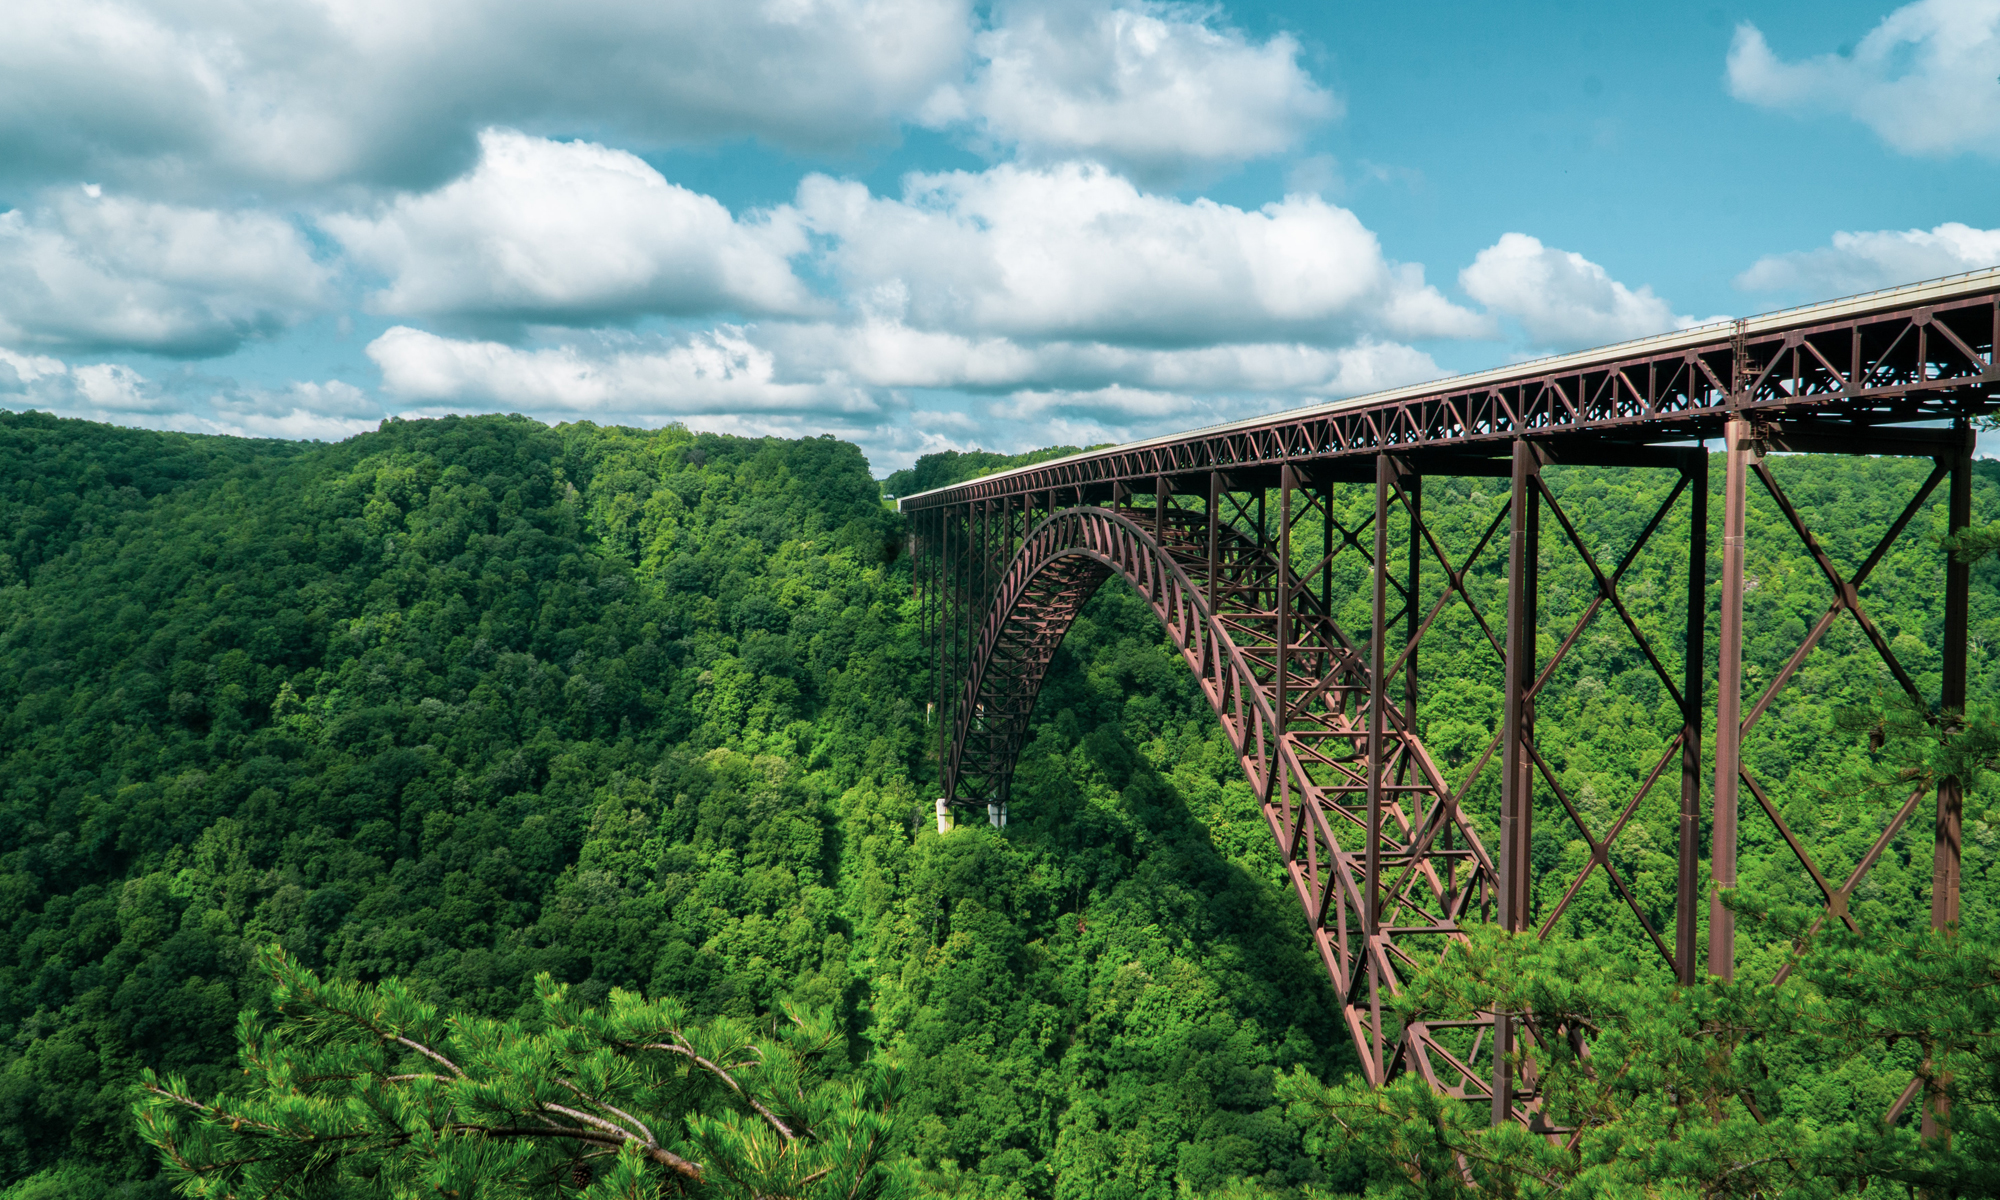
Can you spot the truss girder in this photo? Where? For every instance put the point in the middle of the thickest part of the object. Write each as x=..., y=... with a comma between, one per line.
x=1907, y=362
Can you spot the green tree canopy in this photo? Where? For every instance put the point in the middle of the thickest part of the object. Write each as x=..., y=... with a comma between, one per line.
x=462, y=702
x=1654, y=1088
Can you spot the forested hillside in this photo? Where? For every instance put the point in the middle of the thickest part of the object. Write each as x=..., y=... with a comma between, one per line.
x=466, y=700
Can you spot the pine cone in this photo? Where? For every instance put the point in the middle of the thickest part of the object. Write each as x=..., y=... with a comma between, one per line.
x=579, y=1176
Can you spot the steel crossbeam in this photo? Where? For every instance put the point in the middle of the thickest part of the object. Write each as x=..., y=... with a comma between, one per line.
x=1233, y=537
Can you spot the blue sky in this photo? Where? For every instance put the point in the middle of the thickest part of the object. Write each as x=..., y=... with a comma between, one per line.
x=925, y=223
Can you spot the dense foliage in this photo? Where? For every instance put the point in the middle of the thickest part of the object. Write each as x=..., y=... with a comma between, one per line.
x=462, y=702
x=359, y=1090
x=1683, y=1091
x=465, y=702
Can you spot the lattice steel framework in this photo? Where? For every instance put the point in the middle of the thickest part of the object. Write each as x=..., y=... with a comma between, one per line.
x=1324, y=720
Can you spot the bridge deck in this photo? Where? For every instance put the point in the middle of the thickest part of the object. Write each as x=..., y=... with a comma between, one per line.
x=1899, y=356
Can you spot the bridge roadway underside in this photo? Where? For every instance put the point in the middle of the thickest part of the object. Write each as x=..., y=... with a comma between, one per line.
x=1234, y=536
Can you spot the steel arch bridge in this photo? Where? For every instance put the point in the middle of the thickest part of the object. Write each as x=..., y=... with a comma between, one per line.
x=1232, y=536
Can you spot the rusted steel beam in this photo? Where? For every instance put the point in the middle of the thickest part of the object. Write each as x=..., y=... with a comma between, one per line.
x=1517, y=802
x=1213, y=517
x=1687, y=881
x=1843, y=437
x=1412, y=489
x=1377, y=701
x=1283, y=633
x=1740, y=450
x=1957, y=602
x=1517, y=696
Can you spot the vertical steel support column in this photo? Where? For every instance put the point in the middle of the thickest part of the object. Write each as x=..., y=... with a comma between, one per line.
x=921, y=554
x=1323, y=664
x=1946, y=840
x=1002, y=534
x=1284, y=597
x=1413, y=508
x=1957, y=601
x=1008, y=519
x=954, y=592
x=1377, y=693
x=1517, y=807
x=998, y=555
x=1694, y=676
x=1326, y=551
x=1377, y=697
x=946, y=632
x=1160, y=509
x=1413, y=504
x=962, y=601
x=1214, y=521
x=1741, y=448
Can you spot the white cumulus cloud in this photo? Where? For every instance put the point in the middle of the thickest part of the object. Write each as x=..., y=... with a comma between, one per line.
x=1926, y=80
x=303, y=93
x=1861, y=262
x=1075, y=252
x=1031, y=418
x=119, y=394
x=1109, y=414
x=20, y=372
x=884, y=353
x=300, y=411
x=570, y=232
x=90, y=271
x=1021, y=289
x=95, y=391
x=1562, y=300
x=796, y=378
x=719, y=371
x=1155, y=89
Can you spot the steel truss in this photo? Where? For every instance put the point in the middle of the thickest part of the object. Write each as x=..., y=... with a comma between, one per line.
x=1232, y=538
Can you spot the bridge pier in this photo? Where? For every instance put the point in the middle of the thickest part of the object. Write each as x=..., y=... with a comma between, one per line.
x=1694, y=679
x=1517, y=785
x=1957, y=606
x=1740, y=451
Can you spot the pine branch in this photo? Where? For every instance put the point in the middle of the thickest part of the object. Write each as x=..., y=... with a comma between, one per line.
x=429, y=1053
x=213, y=1110
x=783, y=1129
x=599, y=1122
x=651, y=1138
x=658, y=1154
x=384, y=1033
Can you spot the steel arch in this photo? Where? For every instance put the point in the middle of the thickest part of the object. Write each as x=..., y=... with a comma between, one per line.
x=1307, y=771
